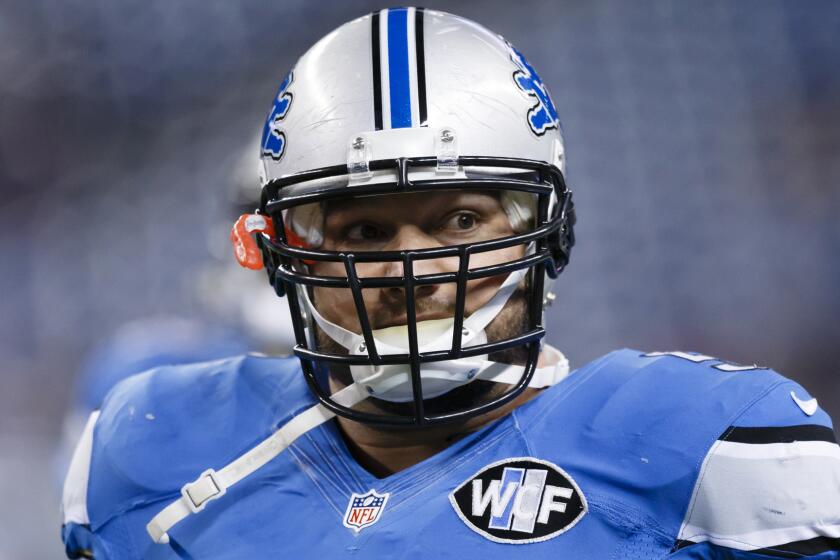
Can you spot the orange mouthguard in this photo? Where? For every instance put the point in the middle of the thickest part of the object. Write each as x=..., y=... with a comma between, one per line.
x=245, y=247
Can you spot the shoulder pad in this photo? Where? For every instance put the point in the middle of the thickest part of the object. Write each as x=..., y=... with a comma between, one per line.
x=771, y=481
x=641, y=425
x=162, y=428
x=661, y=394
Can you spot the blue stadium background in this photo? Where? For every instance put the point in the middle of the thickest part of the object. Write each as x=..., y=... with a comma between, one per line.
x=704, y=148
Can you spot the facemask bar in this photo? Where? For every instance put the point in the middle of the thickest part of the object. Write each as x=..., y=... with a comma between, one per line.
x=551, y=237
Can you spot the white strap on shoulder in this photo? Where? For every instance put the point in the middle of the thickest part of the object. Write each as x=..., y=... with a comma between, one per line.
x=212, y=484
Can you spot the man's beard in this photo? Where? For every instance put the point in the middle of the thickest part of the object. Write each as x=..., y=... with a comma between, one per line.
x=511, y=321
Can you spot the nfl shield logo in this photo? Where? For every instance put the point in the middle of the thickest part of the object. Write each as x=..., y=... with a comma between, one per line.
x=364, y=510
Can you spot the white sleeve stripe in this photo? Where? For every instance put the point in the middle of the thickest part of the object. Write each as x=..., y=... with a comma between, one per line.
x=778, y=450
x=761, y=539
x=765, y=490
x=74, y=496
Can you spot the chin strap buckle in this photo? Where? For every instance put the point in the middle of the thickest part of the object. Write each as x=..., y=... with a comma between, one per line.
x=194, y=496
x=205, y=488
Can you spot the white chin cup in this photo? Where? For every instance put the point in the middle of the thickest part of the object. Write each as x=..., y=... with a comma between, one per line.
x=393, y=382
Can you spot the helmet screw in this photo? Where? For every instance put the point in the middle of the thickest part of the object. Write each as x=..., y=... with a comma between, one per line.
x=549, y=299
x=465, y=331
x=471, y=373
x=358, y=143
x=370, y=390
x=362, y=347
x=446, y=135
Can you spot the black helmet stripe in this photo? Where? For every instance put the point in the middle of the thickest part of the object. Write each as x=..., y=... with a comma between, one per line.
x=377, y=76
x=421, y=65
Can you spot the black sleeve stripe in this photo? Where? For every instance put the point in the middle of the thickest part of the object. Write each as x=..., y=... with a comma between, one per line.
x=810, y=547
x=681, y=544
x=784, y=434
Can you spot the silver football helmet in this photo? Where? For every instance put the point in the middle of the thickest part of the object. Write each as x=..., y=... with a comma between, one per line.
x=412, y=102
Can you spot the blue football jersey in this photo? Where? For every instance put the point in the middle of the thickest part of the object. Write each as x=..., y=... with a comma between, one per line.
x=632, y=456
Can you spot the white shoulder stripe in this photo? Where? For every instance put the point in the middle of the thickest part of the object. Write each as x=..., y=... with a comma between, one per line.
x=385, y=76
x=74, y=497
x=411, y=38
x=763, y=495
x=778, y=450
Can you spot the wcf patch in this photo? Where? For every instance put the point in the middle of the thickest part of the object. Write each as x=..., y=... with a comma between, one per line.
x=520, y=500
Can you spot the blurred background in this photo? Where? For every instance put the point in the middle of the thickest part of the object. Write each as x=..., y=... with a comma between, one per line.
x=704, y=151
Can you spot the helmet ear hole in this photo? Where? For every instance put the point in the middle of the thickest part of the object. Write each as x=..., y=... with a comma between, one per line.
x=277, y=284
x=563, y=239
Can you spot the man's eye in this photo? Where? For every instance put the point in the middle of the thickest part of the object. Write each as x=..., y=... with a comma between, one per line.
x=364, y=232
x=466, y=221
x=462, y=221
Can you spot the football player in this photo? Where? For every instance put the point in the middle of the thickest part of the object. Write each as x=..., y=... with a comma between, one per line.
x=414, y=214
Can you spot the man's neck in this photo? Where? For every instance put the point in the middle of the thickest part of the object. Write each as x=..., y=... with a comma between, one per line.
x=383, y=452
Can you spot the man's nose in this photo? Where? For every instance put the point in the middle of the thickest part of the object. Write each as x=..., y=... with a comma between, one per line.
x=410, y=237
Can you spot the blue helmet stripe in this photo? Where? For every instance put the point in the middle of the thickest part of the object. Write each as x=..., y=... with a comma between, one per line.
x=398, y=69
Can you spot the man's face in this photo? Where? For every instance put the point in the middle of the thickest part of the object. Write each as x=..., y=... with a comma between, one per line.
x=411, y=221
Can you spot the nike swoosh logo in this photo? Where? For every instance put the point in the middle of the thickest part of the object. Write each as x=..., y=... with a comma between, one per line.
x=808, y=407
